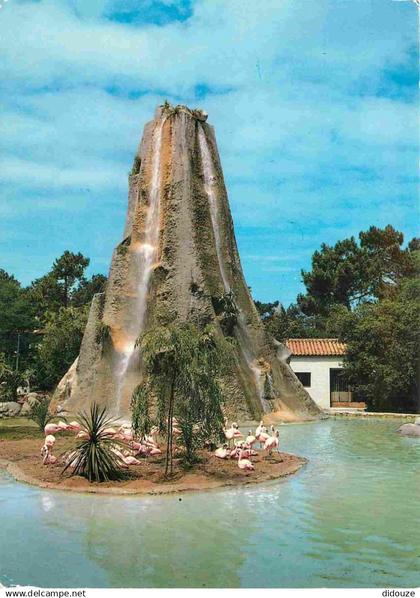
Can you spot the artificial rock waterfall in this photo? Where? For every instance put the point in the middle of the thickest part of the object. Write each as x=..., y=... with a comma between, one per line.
x=178, y=260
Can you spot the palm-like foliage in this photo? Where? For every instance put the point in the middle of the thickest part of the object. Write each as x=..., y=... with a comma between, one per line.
x=94, y=457
x=183, y=365
x=40, y=412
x=140, y=416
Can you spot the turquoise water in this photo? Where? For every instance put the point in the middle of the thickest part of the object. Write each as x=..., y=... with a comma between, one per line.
x=350, y=518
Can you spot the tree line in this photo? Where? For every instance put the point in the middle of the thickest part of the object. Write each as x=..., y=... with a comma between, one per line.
x=363, y=291
x=41, y=325
x=366, y=292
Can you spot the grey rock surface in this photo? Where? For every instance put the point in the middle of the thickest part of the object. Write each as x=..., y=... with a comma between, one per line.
x=31, y=400
x=10, y=408
x=409, y=430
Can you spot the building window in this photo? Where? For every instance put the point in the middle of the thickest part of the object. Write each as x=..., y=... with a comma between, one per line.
x=305, y=378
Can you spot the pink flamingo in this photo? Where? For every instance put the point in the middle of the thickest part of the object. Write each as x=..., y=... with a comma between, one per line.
x=250, y=451
x=74, y=426
x=237, y=433
x=229, y=434
x=272, y=442
x=83, y=435
x=263, y=436
x=232, y=432
x=49, y=440
x=222, y=452
x=154, y=433
x=48, y=458
x=250, y=439
x=142, y=450
x=135, y=446
x=234, y=453
x=109, y=432
x=52, y=429
x=244, y=463
x=129, y=460
x=259, y=429
x=155, y=451
x=126, y=432
x=150, y=441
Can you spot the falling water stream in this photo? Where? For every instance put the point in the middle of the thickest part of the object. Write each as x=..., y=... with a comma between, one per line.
x=145, y=255
x=210, y=188
x=242, y=332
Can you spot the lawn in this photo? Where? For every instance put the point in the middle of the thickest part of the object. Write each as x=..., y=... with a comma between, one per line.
x=19, y=428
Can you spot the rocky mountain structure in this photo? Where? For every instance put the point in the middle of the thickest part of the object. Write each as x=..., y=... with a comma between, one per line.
x=178, y=261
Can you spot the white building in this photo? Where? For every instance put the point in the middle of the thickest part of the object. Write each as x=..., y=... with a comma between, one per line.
x=317, y=362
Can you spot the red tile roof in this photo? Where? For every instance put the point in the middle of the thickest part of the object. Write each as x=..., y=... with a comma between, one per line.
x=316, y=346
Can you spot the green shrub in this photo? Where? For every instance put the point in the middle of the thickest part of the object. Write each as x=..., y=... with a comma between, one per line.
x=94, y=457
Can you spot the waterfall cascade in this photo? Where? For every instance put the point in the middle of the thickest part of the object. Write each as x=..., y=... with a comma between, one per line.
x=245, y=343
x=144, y=258
x=177, y=257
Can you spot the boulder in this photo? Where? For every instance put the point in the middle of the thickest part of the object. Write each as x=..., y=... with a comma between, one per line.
x=31, y=399
x=409, y=430
x=10, y=408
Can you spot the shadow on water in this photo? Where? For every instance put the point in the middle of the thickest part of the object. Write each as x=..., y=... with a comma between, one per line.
x=350, y=518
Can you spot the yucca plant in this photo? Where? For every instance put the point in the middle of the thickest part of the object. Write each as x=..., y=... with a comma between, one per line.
x=94, y=457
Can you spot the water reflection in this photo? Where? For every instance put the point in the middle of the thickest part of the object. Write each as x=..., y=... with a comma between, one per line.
x=350, y=518
x=171, y=542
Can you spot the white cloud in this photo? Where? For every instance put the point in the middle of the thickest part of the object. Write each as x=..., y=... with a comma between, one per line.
x=310, y=145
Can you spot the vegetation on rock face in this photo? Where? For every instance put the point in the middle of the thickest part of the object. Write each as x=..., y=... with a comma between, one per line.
x=122, y=250
x=96, y=457
x=136, y=166
x=227, y=310
x=367, y=295
x=103, y=335
x=182, y=367
x=360, y=291
x=170, y=110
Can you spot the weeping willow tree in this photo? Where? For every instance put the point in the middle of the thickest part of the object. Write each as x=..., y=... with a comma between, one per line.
x=183, y=366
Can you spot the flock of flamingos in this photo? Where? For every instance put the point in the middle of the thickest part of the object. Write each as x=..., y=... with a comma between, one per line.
x=236, y=446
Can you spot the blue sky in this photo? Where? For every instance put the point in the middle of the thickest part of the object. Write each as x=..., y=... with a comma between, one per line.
x=314, y=104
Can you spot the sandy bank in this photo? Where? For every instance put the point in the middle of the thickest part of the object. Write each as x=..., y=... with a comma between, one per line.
x=21, y=459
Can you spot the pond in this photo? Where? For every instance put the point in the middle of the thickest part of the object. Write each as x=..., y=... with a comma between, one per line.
x=350, y=518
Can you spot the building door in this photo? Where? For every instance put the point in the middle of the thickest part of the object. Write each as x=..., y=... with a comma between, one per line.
x=340, y=394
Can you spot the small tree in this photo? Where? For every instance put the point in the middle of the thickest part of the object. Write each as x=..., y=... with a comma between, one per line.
x=141, y=420
x=182, y=368
x=68, y=269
